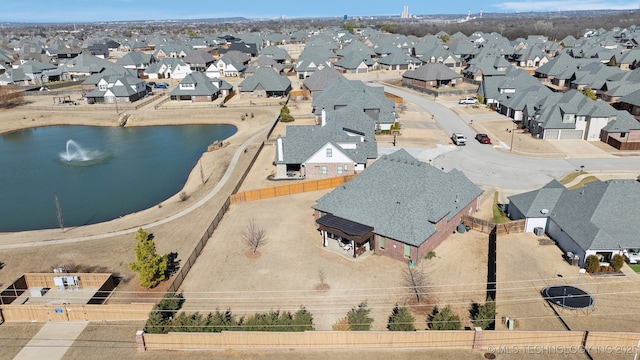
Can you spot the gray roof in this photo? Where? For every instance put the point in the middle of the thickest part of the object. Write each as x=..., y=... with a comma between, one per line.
x=320, y=79
x=203, y=85
x=401, y=197
x=343, y=92
x=430, y=72
x=624, y=122
x=551, y=110
x=345, y=126
x=600, y=215
x=268, y=79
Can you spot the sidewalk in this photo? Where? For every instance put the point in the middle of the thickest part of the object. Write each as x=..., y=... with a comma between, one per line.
x=52, y=341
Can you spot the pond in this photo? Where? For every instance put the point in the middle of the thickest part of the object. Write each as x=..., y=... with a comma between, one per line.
x=85, y=175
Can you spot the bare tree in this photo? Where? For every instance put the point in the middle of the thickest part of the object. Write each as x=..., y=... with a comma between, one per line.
x=254, y=235
x=415, y=280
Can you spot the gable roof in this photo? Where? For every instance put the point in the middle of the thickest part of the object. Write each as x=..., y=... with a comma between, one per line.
x=598, y=216
x=429, y=72
x=320, y=79
x=346, y=126
x=401, y=197
x=268, y=79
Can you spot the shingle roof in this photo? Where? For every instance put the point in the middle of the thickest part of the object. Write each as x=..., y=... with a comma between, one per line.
x=401, y=197
x=429, y=72
x=268, y=79
x=598, y=216
x=302, y=141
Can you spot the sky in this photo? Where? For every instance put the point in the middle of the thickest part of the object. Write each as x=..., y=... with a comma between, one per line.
x=114, y=10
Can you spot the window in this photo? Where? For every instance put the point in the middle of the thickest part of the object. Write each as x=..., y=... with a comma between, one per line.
x=339, y=170
x=324, y=170
x=345, y=167
x=329, y=152
x=407, y=251
x=624, y=134
x=383, y=241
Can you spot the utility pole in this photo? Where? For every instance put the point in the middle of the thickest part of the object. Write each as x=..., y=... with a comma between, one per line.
x=59, y=212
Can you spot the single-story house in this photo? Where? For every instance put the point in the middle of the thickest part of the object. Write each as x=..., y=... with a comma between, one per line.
x=430, y=76
x=265, y=82
x=600, y=218
x=398, y=207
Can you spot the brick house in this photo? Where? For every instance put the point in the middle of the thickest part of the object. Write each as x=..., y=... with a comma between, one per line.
x=398, y=207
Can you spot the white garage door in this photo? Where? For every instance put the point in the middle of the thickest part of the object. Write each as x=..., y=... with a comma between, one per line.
x=551, y=134
x=571, y=135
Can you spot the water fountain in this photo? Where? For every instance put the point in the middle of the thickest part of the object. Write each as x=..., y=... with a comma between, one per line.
x=76, y=155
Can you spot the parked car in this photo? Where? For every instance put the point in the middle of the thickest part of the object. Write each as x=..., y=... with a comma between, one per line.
x=459, y=139
x=161, y=86
x=151, y=83
x=483, y=138
x=632, y=255
x=468, y=100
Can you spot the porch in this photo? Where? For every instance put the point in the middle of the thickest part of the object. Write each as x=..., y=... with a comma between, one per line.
x=345, y=236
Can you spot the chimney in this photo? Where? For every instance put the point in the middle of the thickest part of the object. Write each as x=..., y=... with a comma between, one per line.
x=280, y=155
x=324, y=117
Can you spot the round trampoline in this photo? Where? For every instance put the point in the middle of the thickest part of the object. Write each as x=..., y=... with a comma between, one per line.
x=569, y=297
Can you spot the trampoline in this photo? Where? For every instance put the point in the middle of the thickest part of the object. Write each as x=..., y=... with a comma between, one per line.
x=569, y=297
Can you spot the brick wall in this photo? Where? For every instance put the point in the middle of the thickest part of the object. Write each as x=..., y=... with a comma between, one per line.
x=314, y=171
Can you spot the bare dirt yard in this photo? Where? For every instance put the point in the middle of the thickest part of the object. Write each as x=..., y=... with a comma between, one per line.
x=287, y=272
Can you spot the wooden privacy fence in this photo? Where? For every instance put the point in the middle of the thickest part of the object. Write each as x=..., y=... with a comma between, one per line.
x=299, y=187
x=195, y=253
x=310, y=340
x=497, y=342
x=486, y=226
x=76, y=312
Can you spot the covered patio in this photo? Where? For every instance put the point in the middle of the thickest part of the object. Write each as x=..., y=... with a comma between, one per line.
x=350, y=236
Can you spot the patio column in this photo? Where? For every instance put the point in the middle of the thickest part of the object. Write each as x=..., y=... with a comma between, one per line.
x=324, y=238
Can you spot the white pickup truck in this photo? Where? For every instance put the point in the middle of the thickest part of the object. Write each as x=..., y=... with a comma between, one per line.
x=470, y=100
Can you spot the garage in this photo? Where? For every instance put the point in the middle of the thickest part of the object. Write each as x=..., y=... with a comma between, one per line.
x=552, y=134
x=571, y=135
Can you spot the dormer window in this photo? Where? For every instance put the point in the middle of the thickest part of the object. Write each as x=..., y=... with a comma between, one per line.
x=568, y=118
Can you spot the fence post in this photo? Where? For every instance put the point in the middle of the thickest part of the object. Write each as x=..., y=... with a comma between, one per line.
x=477, y=338
x=140, y=346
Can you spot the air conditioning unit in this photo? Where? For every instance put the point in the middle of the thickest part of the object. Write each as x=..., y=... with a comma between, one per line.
x=539, y=231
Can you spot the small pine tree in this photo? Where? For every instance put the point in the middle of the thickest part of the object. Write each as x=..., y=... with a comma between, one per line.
x=285, y=114
x=151, y=267
x=222, y=321
x=359, y=319
x=592, y=264
x=401, y=320
x=617, y=262
x=485, y=316
x=303, y=320
x=159, y=318
x=444, y=319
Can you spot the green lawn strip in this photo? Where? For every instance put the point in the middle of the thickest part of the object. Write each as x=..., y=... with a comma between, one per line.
x=635, y=267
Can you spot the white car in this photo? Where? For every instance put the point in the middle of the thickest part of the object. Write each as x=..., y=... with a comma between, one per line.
x=459, y=139
x=468, y=100
x=632, y=255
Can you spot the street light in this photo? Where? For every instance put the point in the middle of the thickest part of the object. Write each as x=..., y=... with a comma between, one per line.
x=513, y=130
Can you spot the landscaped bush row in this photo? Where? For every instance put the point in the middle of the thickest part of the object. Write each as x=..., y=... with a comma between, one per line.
x=163, y=319
x=592, y=264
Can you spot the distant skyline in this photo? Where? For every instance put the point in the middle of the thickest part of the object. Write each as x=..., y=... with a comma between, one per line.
x=80, y=11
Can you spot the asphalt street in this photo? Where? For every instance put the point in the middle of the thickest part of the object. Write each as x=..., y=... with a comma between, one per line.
x=485, y=165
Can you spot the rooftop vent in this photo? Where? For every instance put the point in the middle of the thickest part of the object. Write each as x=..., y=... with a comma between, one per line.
x=544, y=211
